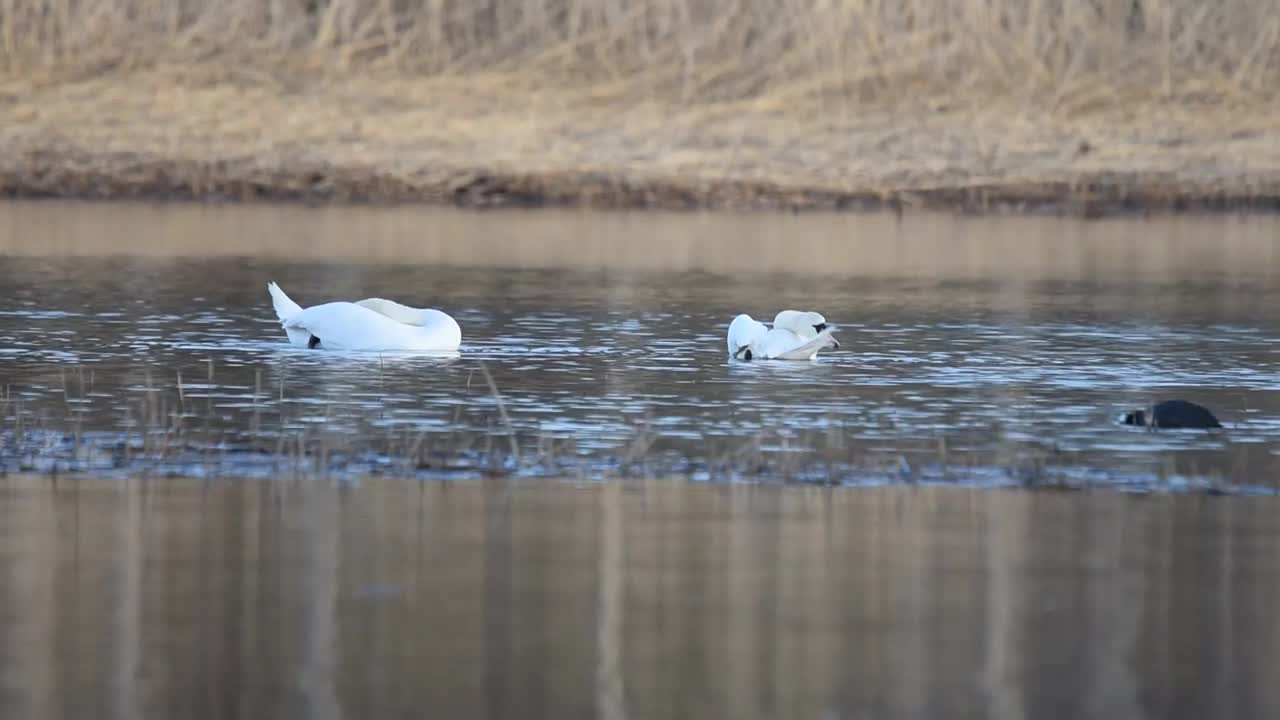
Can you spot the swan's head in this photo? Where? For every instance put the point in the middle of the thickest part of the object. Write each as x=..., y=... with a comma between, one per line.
x=806, y=325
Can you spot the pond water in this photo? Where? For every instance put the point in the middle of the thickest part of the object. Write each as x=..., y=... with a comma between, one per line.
x=975, y=350
x=644, y=599
x=138, y=341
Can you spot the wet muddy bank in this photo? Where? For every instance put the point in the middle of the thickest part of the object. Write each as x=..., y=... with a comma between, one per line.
x=130, y=176
x=186, y=135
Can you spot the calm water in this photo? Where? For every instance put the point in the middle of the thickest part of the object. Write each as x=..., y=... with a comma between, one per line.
x=658, y=599
x=975, y=350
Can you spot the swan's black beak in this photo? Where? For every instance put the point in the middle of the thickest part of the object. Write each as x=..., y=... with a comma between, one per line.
x=820, y=327
x=743, y=352
x=835, y=344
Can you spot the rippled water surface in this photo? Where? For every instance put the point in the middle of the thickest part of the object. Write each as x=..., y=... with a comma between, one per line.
x=981, y=350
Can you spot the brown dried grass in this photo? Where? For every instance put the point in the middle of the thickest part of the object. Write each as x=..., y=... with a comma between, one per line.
x=1062, y=54
x=662, y=102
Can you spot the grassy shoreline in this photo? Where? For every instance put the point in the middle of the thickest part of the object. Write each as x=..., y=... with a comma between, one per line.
x=1089, y=107
x=192, y=134
x=62, y=174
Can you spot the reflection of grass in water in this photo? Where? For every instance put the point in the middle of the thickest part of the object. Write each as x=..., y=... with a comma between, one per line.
x=168, y=431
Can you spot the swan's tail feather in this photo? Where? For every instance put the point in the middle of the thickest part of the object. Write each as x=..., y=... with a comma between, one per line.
x=285, y=308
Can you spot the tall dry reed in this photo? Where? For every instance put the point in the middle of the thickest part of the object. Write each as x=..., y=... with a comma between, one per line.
x=786, y=54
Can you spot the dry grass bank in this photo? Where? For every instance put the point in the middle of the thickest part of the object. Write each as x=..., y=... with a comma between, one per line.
x=1089, y=104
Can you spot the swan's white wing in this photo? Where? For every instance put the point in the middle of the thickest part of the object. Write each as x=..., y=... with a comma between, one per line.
x=348, y=326
x=775, y=342
x=743, y=333
x=808, y=349
x=781, y=344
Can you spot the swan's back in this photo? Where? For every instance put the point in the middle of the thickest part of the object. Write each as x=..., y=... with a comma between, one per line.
x=394, y=310
x=441, y=326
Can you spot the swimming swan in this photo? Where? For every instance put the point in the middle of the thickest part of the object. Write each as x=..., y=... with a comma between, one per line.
x=796, y=335
x=372, y=324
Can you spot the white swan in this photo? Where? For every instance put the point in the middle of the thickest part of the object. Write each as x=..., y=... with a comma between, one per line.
x=796, y=335
x=372, y=324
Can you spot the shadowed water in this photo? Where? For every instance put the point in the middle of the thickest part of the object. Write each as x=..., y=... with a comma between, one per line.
x=254, y=599
x=974, y=350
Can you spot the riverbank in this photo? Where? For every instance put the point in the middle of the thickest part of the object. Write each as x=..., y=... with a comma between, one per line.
x=214, y=134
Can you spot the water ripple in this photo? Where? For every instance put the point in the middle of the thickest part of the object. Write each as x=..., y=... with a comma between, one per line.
x=572, y=360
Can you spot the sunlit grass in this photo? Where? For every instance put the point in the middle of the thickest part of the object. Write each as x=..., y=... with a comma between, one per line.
x=789, y=56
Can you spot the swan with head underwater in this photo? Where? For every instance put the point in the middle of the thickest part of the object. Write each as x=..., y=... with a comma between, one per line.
x=371, y=324
x=795, y=335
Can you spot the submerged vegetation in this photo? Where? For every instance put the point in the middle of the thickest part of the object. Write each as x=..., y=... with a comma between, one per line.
x=1091, y=105
x=171, y=425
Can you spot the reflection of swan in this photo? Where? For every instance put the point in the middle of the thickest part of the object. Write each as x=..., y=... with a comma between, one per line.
x=796, y=335
x=340, y=364
x=373, y=324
